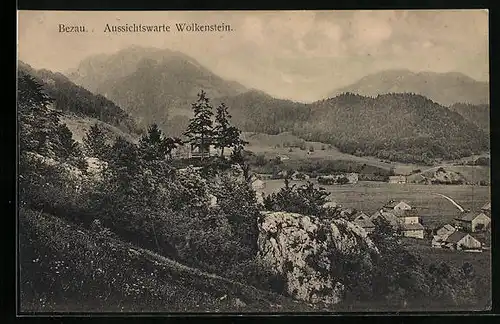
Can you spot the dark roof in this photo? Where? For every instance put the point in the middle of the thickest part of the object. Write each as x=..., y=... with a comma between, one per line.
x=411, y=227
x=361, y=215
x=388, y=216
x=364, y=223
x=469, y=217
x=455, y=237
x=448, y=227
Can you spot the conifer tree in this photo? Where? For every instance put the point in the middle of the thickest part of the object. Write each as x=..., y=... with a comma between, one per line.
x=226, y=135
x=200, y=128
x=95, y=142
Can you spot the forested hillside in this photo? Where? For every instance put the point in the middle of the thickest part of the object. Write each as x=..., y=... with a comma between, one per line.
x=401, y=127
x=478, y=114
x=151, y=84
x=70, y=98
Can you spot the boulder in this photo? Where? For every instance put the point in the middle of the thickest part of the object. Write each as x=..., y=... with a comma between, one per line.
x=306, y=252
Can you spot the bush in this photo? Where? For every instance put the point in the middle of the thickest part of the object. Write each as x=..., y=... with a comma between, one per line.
x=306, y=199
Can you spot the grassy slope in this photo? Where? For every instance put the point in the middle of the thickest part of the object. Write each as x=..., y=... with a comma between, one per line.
x=67, y=268
x=260, y=143
x=80, y=125
x=265, y=144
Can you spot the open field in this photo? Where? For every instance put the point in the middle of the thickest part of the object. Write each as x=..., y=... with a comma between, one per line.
x=267, y=145
x=369, y=196
x=271, y=146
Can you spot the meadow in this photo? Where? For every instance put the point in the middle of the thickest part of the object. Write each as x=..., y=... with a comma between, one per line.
x=369, y=196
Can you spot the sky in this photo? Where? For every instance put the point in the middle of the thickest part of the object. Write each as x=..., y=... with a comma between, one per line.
x=298, y=55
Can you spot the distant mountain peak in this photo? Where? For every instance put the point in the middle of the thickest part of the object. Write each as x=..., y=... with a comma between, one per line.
x=445, y=88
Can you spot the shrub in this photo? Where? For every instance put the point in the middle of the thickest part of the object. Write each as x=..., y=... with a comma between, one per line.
x=306, y=199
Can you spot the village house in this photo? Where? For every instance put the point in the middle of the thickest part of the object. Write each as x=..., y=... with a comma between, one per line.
x=462, y=241
x=360, y=215
x=392, y=205
x=365, y=224
x=409, y=221
x=486, y=209
x=441, y=235
x=397, y=179
x=387, y=216
x=445, y=230
x=473, y=222
x=415, y=230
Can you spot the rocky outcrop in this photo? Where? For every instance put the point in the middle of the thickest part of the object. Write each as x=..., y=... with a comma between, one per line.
x=307, y=253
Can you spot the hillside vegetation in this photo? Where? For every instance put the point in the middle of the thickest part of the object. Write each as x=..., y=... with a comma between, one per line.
x=81, y=270
x=150, y=83
x=70, y=98
x=399, y=127
x=477, y=114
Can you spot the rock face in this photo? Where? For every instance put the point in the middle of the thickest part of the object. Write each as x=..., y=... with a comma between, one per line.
x=307, y=252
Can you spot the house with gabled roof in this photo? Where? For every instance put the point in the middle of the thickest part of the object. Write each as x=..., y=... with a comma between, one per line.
x=415, y=230
x=360, y=215
x=473, y=222
x=462, y=241
x=388, y=216
x=366, y=224
x=394, y=205
x=487, y=209
x=442, y=234
x=445, y=230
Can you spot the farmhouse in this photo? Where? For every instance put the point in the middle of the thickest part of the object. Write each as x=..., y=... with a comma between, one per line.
x=415, y=230
x=394, y=205
x=344, y=178
x=397, y=179
x=462, y=241
x=387, y=216
x=445, y=230
x=365, y=224
x=486, y=209
x=473, y=222
x=361, y=215
x=407, y=216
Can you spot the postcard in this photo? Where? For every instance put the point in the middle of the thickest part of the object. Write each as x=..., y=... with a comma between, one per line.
x=253, y=162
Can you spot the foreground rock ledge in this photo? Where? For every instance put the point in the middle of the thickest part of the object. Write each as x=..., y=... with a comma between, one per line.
x=305, y=250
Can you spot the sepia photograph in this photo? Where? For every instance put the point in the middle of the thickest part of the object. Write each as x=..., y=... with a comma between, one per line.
x=253, y=162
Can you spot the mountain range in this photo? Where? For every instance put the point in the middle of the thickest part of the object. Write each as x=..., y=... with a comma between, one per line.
x=444, y=88
x=71, y=98
x=158, y=86
x=151, y=84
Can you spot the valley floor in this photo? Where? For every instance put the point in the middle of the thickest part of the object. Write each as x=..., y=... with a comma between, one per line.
x=369, y=196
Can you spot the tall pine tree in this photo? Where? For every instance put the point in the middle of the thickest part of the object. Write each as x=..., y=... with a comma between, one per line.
x=95, y=142
x=225, y=134
x=200, y=128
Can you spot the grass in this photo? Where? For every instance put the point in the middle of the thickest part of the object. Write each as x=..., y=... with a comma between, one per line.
x=80, y=125
x=370, y=196
x=66, y=268
x=480, y=261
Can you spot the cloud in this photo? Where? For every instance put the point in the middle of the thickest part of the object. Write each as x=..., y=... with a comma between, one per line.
x=299, y=55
